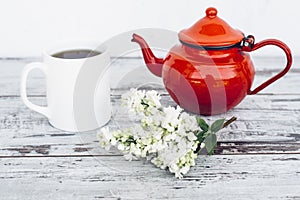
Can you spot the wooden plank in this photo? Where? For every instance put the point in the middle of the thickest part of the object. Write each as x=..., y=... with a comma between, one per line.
x=257, y=130
x=92, y=149
x=215, y=177
x=131, y=72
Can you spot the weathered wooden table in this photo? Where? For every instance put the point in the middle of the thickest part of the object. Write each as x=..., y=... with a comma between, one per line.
x=258, y=156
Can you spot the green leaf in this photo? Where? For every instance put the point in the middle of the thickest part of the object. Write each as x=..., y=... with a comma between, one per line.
x=200, y=136
x=217, y=125
x=210, y=143
x=203, y=125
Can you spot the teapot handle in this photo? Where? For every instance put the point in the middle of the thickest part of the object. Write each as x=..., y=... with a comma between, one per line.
x=248, y=45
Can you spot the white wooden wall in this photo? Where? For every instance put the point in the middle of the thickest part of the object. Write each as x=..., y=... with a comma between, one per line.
x=26, y=27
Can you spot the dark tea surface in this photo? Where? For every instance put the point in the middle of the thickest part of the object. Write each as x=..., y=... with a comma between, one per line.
x=76, y=53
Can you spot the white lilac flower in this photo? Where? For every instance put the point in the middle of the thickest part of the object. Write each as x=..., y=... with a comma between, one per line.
x=202, y=145
x=133, y=99
x=191, y=136
x=165, y=136
x=189, y=123
x=171, y=118
x=153, y=98
x=121, y=147
x=184, y=169
x=105, y=138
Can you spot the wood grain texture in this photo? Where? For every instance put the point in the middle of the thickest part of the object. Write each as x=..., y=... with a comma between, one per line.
x=24, y=130
x=258, y=156
x=132, y=72
x=215, y=177
x=257, y=129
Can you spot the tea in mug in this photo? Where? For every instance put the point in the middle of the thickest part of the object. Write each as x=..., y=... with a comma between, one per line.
x=76, y=54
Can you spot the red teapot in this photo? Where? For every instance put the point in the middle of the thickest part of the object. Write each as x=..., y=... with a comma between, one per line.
x=210, y=71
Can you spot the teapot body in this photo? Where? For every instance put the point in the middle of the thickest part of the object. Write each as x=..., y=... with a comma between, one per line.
x=210, y=71
x=207, y=82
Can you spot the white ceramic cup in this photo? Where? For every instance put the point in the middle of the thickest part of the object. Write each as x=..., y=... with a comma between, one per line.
x=78, y=91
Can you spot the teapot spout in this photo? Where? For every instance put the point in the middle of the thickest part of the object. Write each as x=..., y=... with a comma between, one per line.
x=153, y=63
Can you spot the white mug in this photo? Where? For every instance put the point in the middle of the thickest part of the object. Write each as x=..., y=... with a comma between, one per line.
x=78, y=91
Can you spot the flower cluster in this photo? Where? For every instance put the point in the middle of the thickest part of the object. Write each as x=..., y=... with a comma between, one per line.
x=167, y=136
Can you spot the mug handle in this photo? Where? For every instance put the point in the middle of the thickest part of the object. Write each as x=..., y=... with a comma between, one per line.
x=248, y=45
x=40, y=109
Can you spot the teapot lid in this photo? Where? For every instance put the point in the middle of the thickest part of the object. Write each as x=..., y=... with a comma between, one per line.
x=210, y=31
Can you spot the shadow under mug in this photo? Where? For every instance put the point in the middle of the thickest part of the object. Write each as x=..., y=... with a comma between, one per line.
x=78, y=91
